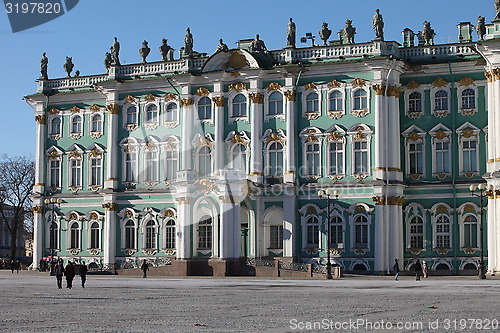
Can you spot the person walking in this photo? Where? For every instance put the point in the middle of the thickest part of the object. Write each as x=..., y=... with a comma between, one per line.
x=17, y=265
x=12, y=265
x=59, y=271
x=144, y=268
x=418, y=270
x=425, y=270
x=83, y=273
x=70, y=274
x=396, y=269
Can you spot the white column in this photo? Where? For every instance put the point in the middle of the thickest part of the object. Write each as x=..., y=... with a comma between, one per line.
x=109, y=233
x=112, y=141
x=380, y=247
x=256, y=165
x=380, y=131
x=395, y=234
x=289, y=230
x=38, y=238
x=183, y=240
x=257, y=244
x=40, y=157
x=219, y=133
x=491, y=235
x=230, y=237
x=187, y=133
x=290, y=136
x=491, y=127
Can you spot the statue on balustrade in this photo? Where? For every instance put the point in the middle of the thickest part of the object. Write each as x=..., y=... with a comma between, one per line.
x=115, y=52
x=108, y=61
x=188, y=43
x=378, y=25
x=480, y=28
x=221, y=47
x=290, y=34
x=324, y=33
x=258, y=45
x=68, y=66
x=144, y=51
x=348, y=32
x=44, y=63
x=497, y=7
x=428, y=34
x=165, y=50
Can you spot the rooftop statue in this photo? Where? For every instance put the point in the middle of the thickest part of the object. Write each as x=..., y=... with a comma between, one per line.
x=115, y=52
x=77, y=73
x=188, y=43
x=324, y=33
x=258, y=45
x=68, y=66
x=165, y=50
x=221, y=47
x=144, y=51
x=290, y=34
x=428, y=34
x=44, y=62
x=378, y=25
x=497, y=7
x=348, y=32
x=108, y=60
x=480, y=28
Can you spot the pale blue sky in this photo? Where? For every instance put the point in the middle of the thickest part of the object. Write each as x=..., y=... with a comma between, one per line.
x=86, y=33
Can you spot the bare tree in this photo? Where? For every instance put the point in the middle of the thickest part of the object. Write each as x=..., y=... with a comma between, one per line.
x=17, y=177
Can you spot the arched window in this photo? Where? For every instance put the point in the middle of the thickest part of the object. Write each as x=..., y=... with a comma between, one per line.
x=55, y=128
x=312, y=103
x=205, y=233
x=152, y=113
x=74, y=236
x=170, y=234
x=171, y=112
x=205, y=160
x=313, y=231
x=415, y=102
x=171, y=162
x=275, y=103
x=131, y=115
x=151, y=172
x=76, y=124
x=53, y=236
x=239, y=157
x=443, y=229
x=470, y=231
x=416, y=232
x=95, y=238
x=468, y=99
x=130, y=235
x=239, y=106
x=441, y=100
x=336, y=232
x=313, y=159
x=361, y=232
x=150, y=242
x=275, y=159
x=336, y=101
x=205, y=108
x=97, y=123
x=360, y=100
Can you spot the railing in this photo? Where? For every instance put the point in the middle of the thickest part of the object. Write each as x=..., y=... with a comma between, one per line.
x=153, y=68
x=293, y=266
x=73, y=82
x=436, y=50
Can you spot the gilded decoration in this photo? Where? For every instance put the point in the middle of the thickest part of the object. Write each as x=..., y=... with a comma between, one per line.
x=469, y=208
x=183, y=200
x=443, y=251
x=75, y=109
x=312, y=115
x=37, y=209
x=129, y=252
x=110, y=207
x=73, y=216
x=312, y=138
x=206, y=186
x=334, y=136
x=73, y=252
x=334, y=84
x=54, y=111
x=311, y=210
x=273, y=137
x=441, y=209
x=238, y=86
x=440, y=135
x=75, y=154
x=149, y=252
x=415, y=252
x=40, y=120
x=469, y=174
x=169, y=213
x=202, y=91
x=394, y=91
x=360, y=176
x=468, y=133
x=468, y=112
x=359, y=136
x=95, y=108
x=414, y=136
x=359, y=113
x=238, y=139
x=256, y=98
x=96, y=135
x=187, y=102
x=441, y=114
x=54, y=154
x=129, y=214
x=95, y=153
x=274, y=86
x=235, y=73
x=414, y=115
x=94, y=216
x=169, y=252
x=290, y=95
x=130, y=99
x=469, y=250
x=236, y=60
x=169, y=96
x=218, y=101
x=379, y=200
x=439, y=82
x=488, y=76
x=202, y=141
x=379, y=89
x=150, y=97
x=310, y=86
x=95, y=188
x=466, y=81
x=171, y=144
x=395, y=201
x=359, y=82
x=360, y=252
x=94, y=252
x=412, y=85
x=335, y=114
x=113, y=108
x=496, y=73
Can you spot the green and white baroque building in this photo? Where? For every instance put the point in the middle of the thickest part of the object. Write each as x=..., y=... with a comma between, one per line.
x=204, y=161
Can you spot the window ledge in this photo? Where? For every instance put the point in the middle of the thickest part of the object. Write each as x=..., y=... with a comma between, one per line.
x=130, y=127
x=468, y=112
x=75, y=136
x=96, y=135
x=359, y=113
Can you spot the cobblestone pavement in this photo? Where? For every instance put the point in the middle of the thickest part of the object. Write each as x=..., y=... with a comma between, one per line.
x=31, y=302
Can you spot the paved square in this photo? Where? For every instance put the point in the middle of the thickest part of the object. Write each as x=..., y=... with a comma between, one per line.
x=31, y=302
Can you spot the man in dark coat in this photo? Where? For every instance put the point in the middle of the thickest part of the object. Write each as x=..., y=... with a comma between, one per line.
x=70, y=274
x=145, y=268
x=59, y=271
x=396, y=270
x=418, y=270
x=83, y=273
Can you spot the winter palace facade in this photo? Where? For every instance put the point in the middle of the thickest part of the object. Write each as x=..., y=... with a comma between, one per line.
x=204, y=160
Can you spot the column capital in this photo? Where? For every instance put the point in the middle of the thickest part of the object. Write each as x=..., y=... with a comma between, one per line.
x=379, y=89
x=256, y=98
x=218, y=101
x=40, y=119
x=113, y=108
x=290, y=95
x=187, y=102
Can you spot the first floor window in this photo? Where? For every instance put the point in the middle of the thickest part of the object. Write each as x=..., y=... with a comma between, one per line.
x=312, y=159
x=275, y=104
x=95, y=236
x=442, y=157
x=416, y=158
x=360, y=100
x=97, y=123
x=131, y=115
x=313, y=231
x=416, y=233
x=55, y=168
x=443, y=232
x=312, y=103
x=239, y=106
x=205, y=160
x=336, y=101
x=171, y=160
x=152, y=114
x=441, y=100
x=361, y=232
x=415, y=102
x=336, y=155
x=130, y=166
x=275, y=160
x=205, y=233
x=239, y=157
x=76, y=124
x=150, y=235
x=205, y=108
x=95, y=172
x=74, y=241
x=151, y=166
x=360, y=157
x=469, y=155
x=76, y=173
x=470, y=231
x=276, y=237
x=130, y=235
x=171, y=112
x=468, y=99
x=170, y=234
x=53, y=235
x=55, y=127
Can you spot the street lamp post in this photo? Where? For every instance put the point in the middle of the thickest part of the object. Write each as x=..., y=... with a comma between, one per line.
x=54, y=203
x=483, y=192
x=328, y=194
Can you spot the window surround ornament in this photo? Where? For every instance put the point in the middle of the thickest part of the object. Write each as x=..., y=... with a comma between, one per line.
x=271, y=90
x=75, y=153
x=464, y=210
x=333, y=135
x=339, y=87
x=169, y=144
x=356, y=209
x=126, y=215
x=440, y=134
x=359, y=133
x=311, y=135
x=96, y=134
x=414, y=135
x=56, y=218
x=410, y=88
x=130, y=145
x=54, y=154
x=306, y=212
x=171, y=123
x=437, y=210
x=231, y=96
x=196, y=101
x=151, y=145
x=75, y=135
x=440, y=84
x=234, y=138
x=465, y=84
x=95, y=152
x=269, y=138
x=359, y=85
x=149, y=214
x=52, y=118
x=466, y=132
x=150, y=125
x=91, y=218
x=133, y=125
x=411, y=211
x=307, y=90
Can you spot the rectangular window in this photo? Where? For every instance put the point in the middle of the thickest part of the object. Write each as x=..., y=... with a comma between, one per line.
x=313, y=234
x=361, y=240
x=360, y=157
x=470, y=235
x=151, y=166
x=276, y=237
x=442, y=157
x=416, y=152
x=130, y=167
x=336, y=235
x=76, y=173
x=312, y=159
x=171, y=158
x=95, y=172
x=469, y=156
x=336, y=158
x=55, y=168
x=170, y=237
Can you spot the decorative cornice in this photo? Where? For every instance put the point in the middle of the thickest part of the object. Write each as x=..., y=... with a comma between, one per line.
x=40, y=119
x=150, y=97
x=238, y=86
x=394, y=91
x=359, y=82
x=113, y=108
x=202, y=91
x=334, y=84
x=412, y=85
x=187, y=102
x=290, y=95
x=274, y=86
x=170, y=96
x=110, y=207
x=439, y=82
x=75, y=109
x=391, y=201
x=256, y=98
x=379, y=89
x=466, y=81
x=218, y=101
x=310, y=86
x=95, y=108
x=130, y=99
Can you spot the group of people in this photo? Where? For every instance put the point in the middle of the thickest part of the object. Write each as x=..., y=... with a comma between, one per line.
x=69, y=272
x=421, y=269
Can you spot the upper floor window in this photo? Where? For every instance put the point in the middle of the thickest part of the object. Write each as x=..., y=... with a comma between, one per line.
x=55, y=173
x=275, y=159
x=171, y=162
x=416, y=158
x=205, y=108
x=313, y=159
x=131, y=115
x=130, y=166
x=468, y=99
x=336, y=101
x=97, y=123
x=75, y=179
x=415, y=102
x=54, y=236
x=360, y=100
x=312, y=103
x=275, y=103
x=360, y=153
x=151, y=172
x=171, y=112
x=441, y=100
x=76, y=124
x=442, y=157
x=95, y=172
x=336, y=157
x=55, y=126
x=239, y=157
x=239, y=106
x=469, y=155
x=152, y=113
x=205, y=160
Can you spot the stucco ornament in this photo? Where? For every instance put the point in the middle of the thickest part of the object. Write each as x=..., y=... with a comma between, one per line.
x=144, y=51
x=378, y=25
x=324, y=33
x=480, y=28
x=428, y=34
x=348, y=32
x=290, y=34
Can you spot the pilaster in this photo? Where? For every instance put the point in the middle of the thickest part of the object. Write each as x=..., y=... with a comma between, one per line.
x=109, y=232
x=112, y=141
x=183, y=241
x=187, y=104
x=257, y=118
x=219, y=128
x=41, y=147
x=289, y=229
x=290, y=174
x=37, y=234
